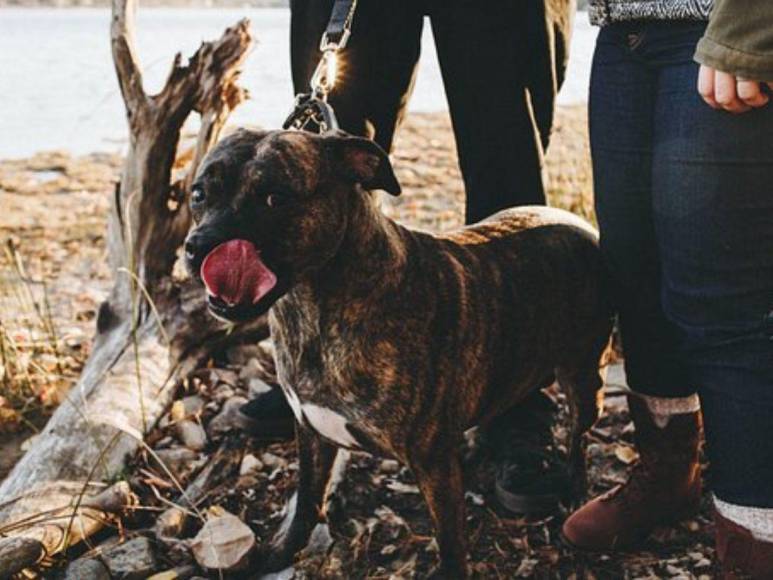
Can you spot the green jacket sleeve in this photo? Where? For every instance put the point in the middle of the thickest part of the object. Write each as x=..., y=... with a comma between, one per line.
x=739, y=39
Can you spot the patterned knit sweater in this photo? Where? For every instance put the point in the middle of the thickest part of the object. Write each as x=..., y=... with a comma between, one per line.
x=603, y=12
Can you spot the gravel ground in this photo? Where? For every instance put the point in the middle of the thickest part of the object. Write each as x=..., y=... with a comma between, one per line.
x=54, y=207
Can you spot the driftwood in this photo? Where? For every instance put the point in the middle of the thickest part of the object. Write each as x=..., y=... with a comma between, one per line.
x=153, y=326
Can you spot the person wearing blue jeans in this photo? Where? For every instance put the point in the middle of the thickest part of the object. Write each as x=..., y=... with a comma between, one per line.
x=683, y=172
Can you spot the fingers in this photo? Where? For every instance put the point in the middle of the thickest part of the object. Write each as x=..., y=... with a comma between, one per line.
x=726, y=94
x=750, y=92
x=706, y=86
x=723, y=90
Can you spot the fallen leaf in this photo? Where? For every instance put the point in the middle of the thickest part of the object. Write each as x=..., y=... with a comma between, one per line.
x=626, y=454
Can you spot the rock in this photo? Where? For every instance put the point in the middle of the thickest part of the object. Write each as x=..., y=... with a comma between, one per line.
x=230, y=417
x=132, y=560
x=319, y=541
x=251, y=370
x=400, y=487
x=187, y=408
x=250, y=464
x=18, y=553
x=703, y=563
x=257, y=387
x=240, y=354
x=179, y=573
x=286, y=574
x=181, y=461
x=215, y=376
x=191, y=434
x=115, y=499
x=223, y=393
x=272, y=461
x=28, y=443
x=390, y=466
x=170, y=523
x=86, y=569
x=223, y=543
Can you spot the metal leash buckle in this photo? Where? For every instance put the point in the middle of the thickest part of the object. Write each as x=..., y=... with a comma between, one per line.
x=309, y=111
x=312, y=109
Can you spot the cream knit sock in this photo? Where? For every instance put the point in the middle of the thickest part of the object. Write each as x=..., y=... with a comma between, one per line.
x=663, y=408
x=759, y=521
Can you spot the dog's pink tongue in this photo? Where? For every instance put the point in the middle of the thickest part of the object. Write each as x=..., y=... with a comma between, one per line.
x=234, y=272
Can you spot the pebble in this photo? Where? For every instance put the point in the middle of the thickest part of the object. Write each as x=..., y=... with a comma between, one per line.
x=390, y=466
x=86, y=569
x=319, y=541
x=272, y=461
x=241, y=354
x=186, y=408
x=191, y=434
x=229, y=418
x=179, y=460
x=170, y=523
x=251, y=370
x=257, y=387
x=250, y=464
x=132, y=560
x=223, y=393
x=179, y=573
x=223, y=543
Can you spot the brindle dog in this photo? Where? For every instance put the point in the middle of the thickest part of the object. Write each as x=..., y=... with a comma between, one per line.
x=391, y=340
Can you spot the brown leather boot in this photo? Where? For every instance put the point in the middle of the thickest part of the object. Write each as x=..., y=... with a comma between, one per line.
x=740, y=554
x=664, y=486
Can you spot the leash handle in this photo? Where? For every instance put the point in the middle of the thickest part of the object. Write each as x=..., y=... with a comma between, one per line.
x=313, y=108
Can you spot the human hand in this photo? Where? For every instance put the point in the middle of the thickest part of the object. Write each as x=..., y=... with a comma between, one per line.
x=723, y=90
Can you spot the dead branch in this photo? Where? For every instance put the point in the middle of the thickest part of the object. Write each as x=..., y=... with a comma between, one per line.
x=150, y=326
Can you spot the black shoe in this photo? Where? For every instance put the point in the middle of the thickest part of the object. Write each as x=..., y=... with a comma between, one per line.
x=532, y=476
x=269, y=416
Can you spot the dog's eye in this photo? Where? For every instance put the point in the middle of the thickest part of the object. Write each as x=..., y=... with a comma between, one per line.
x=198, y=196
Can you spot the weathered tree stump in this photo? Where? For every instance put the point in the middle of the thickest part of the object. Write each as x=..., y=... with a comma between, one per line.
x=154, y=326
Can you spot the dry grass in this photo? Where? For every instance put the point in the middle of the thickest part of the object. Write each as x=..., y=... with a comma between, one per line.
x=32, y=364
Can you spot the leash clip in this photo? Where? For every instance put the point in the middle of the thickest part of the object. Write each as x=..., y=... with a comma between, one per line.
x=312, y=111
x=324, y=77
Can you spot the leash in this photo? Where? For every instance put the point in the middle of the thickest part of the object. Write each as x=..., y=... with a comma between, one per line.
x=311, y=111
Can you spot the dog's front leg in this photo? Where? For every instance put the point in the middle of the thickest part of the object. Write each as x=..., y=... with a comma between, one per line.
x=439, y=475
x=307, y=507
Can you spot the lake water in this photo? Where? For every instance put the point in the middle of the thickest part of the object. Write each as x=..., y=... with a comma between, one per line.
x=58, y=88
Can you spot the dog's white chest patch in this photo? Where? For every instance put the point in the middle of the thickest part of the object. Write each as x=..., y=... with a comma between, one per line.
x=295, y=404
x=329, y=424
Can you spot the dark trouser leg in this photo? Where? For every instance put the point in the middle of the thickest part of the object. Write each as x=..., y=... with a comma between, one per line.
x=714, y=217
x=622, y=108
x=483, y=55
x=376, y=68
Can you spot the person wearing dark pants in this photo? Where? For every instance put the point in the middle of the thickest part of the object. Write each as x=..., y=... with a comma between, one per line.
x=685, y=209
x=502, y=64
x=499, y=59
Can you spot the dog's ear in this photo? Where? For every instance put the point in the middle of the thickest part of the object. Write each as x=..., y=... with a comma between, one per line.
x=362, y=161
